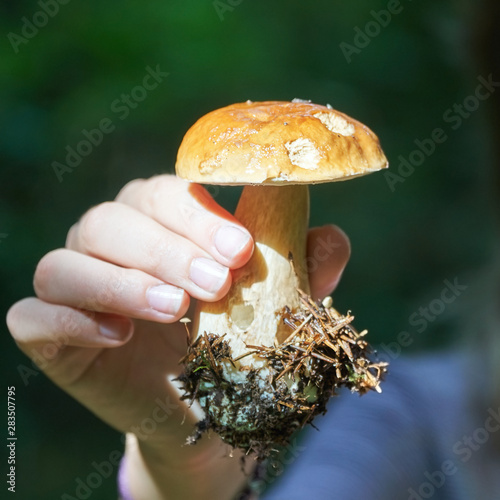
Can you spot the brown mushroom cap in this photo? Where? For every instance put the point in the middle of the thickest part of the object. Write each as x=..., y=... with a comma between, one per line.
x=277, y=142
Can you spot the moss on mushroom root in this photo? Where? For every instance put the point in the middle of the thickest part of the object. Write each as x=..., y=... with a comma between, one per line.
x=257, y=409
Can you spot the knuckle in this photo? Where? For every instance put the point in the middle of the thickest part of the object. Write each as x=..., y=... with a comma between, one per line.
x=188, y=214
x=110, y=288
x=161, y=186
x=91, y=224
x=194, y=209
x=110, y=291
x=44, y=271
x=154, y=189
x=155, y=254
x=130, y=189
x=157, y=188
x=66, y=326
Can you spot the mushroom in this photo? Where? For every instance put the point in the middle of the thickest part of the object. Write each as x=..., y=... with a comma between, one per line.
x=245, y=341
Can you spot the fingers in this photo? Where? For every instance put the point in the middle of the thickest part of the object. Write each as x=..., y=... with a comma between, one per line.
x=35, y=324
x=328, y=251
x=121, y=235
x=197, y=216
x=72, y=279
x=52, y=336
x=161, y=237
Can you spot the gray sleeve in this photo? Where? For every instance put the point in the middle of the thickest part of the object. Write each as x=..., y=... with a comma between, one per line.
x=376, y=447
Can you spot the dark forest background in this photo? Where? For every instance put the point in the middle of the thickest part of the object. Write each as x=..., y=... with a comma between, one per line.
x=401, y=67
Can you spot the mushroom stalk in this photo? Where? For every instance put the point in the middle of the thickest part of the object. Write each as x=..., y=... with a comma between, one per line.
x=251, y=313
x=267, y=357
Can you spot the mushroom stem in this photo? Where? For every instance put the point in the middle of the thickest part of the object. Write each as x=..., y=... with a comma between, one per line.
x=250, y=314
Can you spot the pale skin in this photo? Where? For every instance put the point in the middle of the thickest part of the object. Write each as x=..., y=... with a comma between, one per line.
x=104, y=323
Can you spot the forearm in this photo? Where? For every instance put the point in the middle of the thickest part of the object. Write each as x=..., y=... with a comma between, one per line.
x=208, y=475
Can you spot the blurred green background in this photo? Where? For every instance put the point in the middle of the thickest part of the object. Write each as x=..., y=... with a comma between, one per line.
x=65, y=76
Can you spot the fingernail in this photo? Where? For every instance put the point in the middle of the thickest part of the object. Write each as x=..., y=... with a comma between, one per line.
x=115, y=328
x=230, y=241
x=208, y=274
x=166, y=299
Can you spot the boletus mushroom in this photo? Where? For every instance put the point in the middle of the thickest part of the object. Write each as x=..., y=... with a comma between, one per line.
x=267, y=357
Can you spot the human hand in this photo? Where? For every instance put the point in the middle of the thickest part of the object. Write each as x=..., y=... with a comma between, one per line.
x=104, y=324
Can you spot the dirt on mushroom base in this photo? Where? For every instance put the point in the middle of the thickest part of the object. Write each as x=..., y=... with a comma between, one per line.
x=257, y=410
